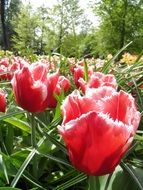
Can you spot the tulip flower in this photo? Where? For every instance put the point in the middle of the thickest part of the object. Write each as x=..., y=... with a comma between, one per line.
x=56, y=84
x=2, y=101
x=79, y=73
x=30, y=87
x=97, y=80
x=98, y=133
x=7, y=69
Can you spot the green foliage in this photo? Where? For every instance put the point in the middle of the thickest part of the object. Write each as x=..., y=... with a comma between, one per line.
x=25, y=25
x=121, y=22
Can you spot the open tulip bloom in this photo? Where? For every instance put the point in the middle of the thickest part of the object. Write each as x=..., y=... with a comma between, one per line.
x=98, y=131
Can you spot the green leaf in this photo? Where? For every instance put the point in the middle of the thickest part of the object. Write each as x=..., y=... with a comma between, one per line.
x=8, y=188
x=59, y=160
x=126, y=179
x=25, y=164
x=106, y=66
x=8, y=115
x=51, y=139
x=18, y=123
x=134, y=174
x=3, y=168
x=71, y=182
x=85, y=70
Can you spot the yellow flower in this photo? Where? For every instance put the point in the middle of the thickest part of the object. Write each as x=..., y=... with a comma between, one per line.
x=128, y=58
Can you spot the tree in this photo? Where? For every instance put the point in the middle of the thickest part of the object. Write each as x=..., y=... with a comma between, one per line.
x=9, y=9
x=3, y=7
x=12, y=12
x=68, y=19
x=25, y=28
x=121, y=22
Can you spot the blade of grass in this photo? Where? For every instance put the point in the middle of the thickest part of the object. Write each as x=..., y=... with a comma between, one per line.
x=107, y=65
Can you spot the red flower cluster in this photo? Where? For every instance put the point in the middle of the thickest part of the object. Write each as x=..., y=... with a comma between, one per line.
x=34, y=90
x=96, y=79
x=98, y=128
x=78, y=72
x=8, y=67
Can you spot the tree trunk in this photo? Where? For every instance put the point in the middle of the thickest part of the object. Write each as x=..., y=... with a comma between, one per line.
x=123, y=28
x=3, y=24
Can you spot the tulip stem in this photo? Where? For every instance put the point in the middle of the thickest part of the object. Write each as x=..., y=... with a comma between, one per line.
x=33, y=132
x=33, y=143
x=93, y=183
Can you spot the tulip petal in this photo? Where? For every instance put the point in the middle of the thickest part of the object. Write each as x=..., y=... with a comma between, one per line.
x=30, y=94
x=39, y=72
x=52, y=84
x=2, y=101
x=95, y=142
x=100, y=93
x=121, y=106
x=75, y=105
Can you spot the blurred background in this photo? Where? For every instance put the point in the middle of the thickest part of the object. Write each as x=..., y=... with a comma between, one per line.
x=73, y=28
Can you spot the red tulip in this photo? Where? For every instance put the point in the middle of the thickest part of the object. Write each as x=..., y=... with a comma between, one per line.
x=64, y=83
x=98, y=133
x=79, y=73
x=30, y=87
x=2, y=101
x=7, y=70
x=97, y=80
x=4, y=61
x=55, y=85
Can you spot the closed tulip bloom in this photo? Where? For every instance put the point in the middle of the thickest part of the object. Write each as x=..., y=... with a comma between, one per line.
x=30, y=87
x=98, y=133
x=64, y=83
x=56, y=84
x=2, y=101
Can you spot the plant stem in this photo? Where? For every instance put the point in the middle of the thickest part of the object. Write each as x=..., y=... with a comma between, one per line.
x=93, y=183
x=33, y=131
x=34, y=144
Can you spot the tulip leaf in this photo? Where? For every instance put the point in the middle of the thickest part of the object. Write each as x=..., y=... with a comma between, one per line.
x=8, y=188
x=18, y=123
x=3, y=168
x=107, y=65
x=25, y=164
x=59, y=160
x=52, y=139
x=128, y=178
x=8, y=115
x=134, y=174
x=85, y=70
x=71, y=182
x=121, y=179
